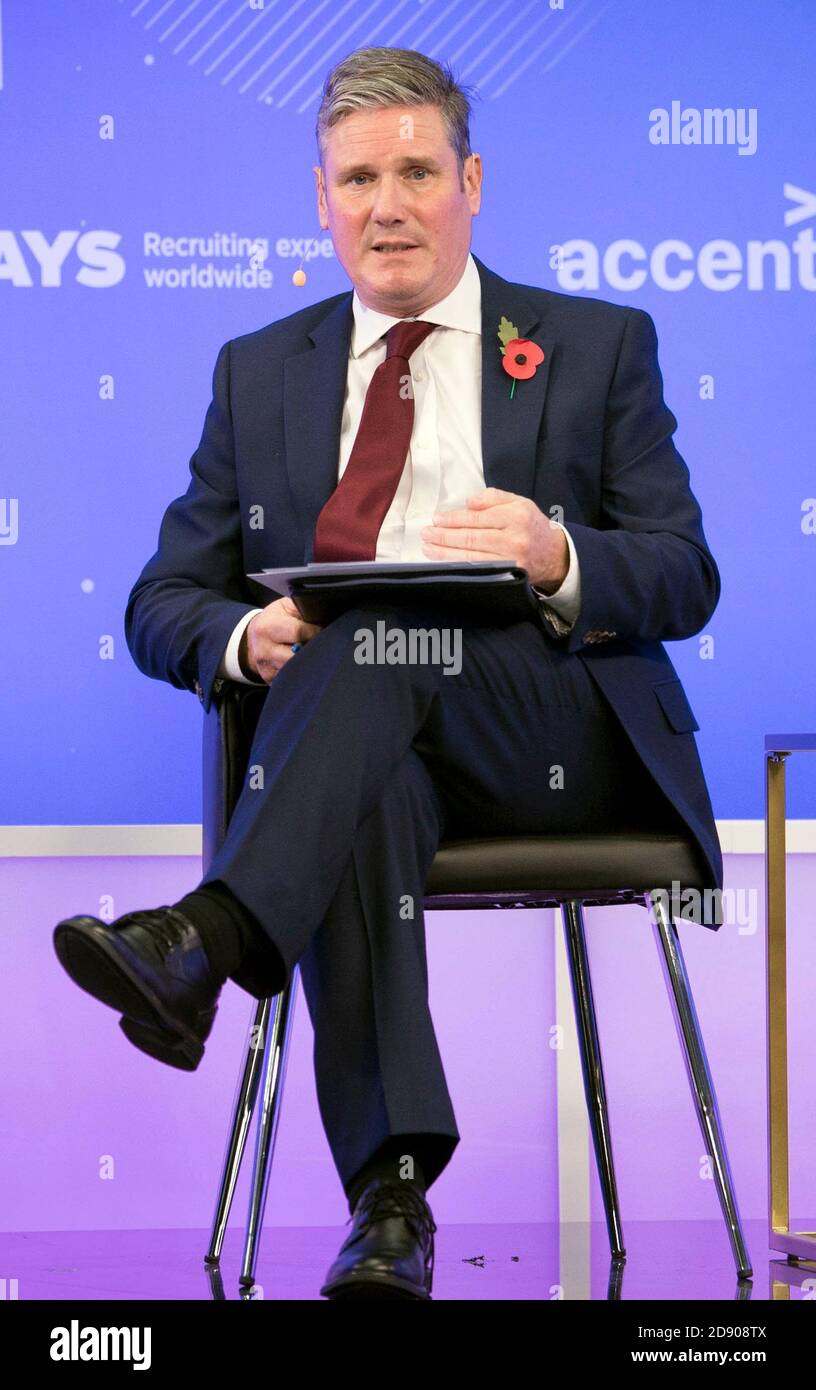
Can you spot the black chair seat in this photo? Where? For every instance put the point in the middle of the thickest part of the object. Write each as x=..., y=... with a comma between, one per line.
x=556, y=868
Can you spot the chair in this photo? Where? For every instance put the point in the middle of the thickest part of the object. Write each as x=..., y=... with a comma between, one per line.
x=568, y=871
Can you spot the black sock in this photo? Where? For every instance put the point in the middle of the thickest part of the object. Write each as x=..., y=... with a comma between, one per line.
x=385, y=1163
x=226, y=927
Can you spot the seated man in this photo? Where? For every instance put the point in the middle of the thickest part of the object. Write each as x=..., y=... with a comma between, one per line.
x=437, y=411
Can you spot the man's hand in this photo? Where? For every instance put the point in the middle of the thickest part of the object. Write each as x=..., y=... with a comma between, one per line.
x=266, y=642
x=501, y=525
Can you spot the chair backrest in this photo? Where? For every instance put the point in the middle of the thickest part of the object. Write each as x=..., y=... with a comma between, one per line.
x=229, y=727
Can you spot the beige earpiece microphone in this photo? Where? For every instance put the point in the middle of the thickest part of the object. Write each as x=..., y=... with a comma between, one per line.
x=299, y=276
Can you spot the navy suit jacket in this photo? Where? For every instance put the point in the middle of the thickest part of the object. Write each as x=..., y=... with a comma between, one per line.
x=589, y=433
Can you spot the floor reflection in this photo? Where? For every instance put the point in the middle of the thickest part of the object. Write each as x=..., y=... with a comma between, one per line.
x=669, y=1260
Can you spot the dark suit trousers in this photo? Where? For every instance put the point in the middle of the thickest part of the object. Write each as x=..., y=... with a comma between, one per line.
x=356, y=773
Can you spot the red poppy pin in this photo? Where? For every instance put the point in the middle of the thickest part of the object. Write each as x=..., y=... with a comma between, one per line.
x=520, y=357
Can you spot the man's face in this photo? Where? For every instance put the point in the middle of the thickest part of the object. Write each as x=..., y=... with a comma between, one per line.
x=391, y=176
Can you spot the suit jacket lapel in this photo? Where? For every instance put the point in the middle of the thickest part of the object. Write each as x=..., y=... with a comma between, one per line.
x=510, y=427
x=314, y=392
x=314, y=388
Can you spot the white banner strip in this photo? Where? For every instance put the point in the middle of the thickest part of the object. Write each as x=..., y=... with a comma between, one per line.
x=147, y=841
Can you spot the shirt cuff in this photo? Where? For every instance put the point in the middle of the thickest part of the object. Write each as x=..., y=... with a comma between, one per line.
x=229, y=666
x=565, y=602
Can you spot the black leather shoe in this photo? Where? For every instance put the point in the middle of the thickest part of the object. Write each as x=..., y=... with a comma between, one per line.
x=390, y=1251
x=152, y=966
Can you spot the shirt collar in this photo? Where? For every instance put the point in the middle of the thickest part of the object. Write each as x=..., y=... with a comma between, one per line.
x=462, y=308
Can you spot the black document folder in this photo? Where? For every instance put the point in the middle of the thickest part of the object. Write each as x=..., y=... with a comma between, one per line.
x=476, y=592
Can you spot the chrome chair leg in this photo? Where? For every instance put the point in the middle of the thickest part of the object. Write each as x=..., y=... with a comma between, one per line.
x=244, y=1104
x=592, y=1068
x=275, y=1058
x=697, y=1069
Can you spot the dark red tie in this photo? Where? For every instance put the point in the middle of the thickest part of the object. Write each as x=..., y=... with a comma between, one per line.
x=349, y=524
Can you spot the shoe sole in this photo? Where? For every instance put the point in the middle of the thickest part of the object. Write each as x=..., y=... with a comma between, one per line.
x=159, y=1043
x=87, y=955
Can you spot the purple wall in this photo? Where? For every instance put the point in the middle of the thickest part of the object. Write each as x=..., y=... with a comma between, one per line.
x=74, y=1090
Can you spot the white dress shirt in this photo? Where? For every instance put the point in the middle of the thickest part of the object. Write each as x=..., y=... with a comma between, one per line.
x=444, y=463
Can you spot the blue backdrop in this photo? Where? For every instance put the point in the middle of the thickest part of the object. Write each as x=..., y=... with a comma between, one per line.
x=668, y=150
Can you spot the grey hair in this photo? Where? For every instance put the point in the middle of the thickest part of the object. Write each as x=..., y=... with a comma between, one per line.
x=374, y=77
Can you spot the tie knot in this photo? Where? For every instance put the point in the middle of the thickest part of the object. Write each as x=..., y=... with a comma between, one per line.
x=404, y=338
